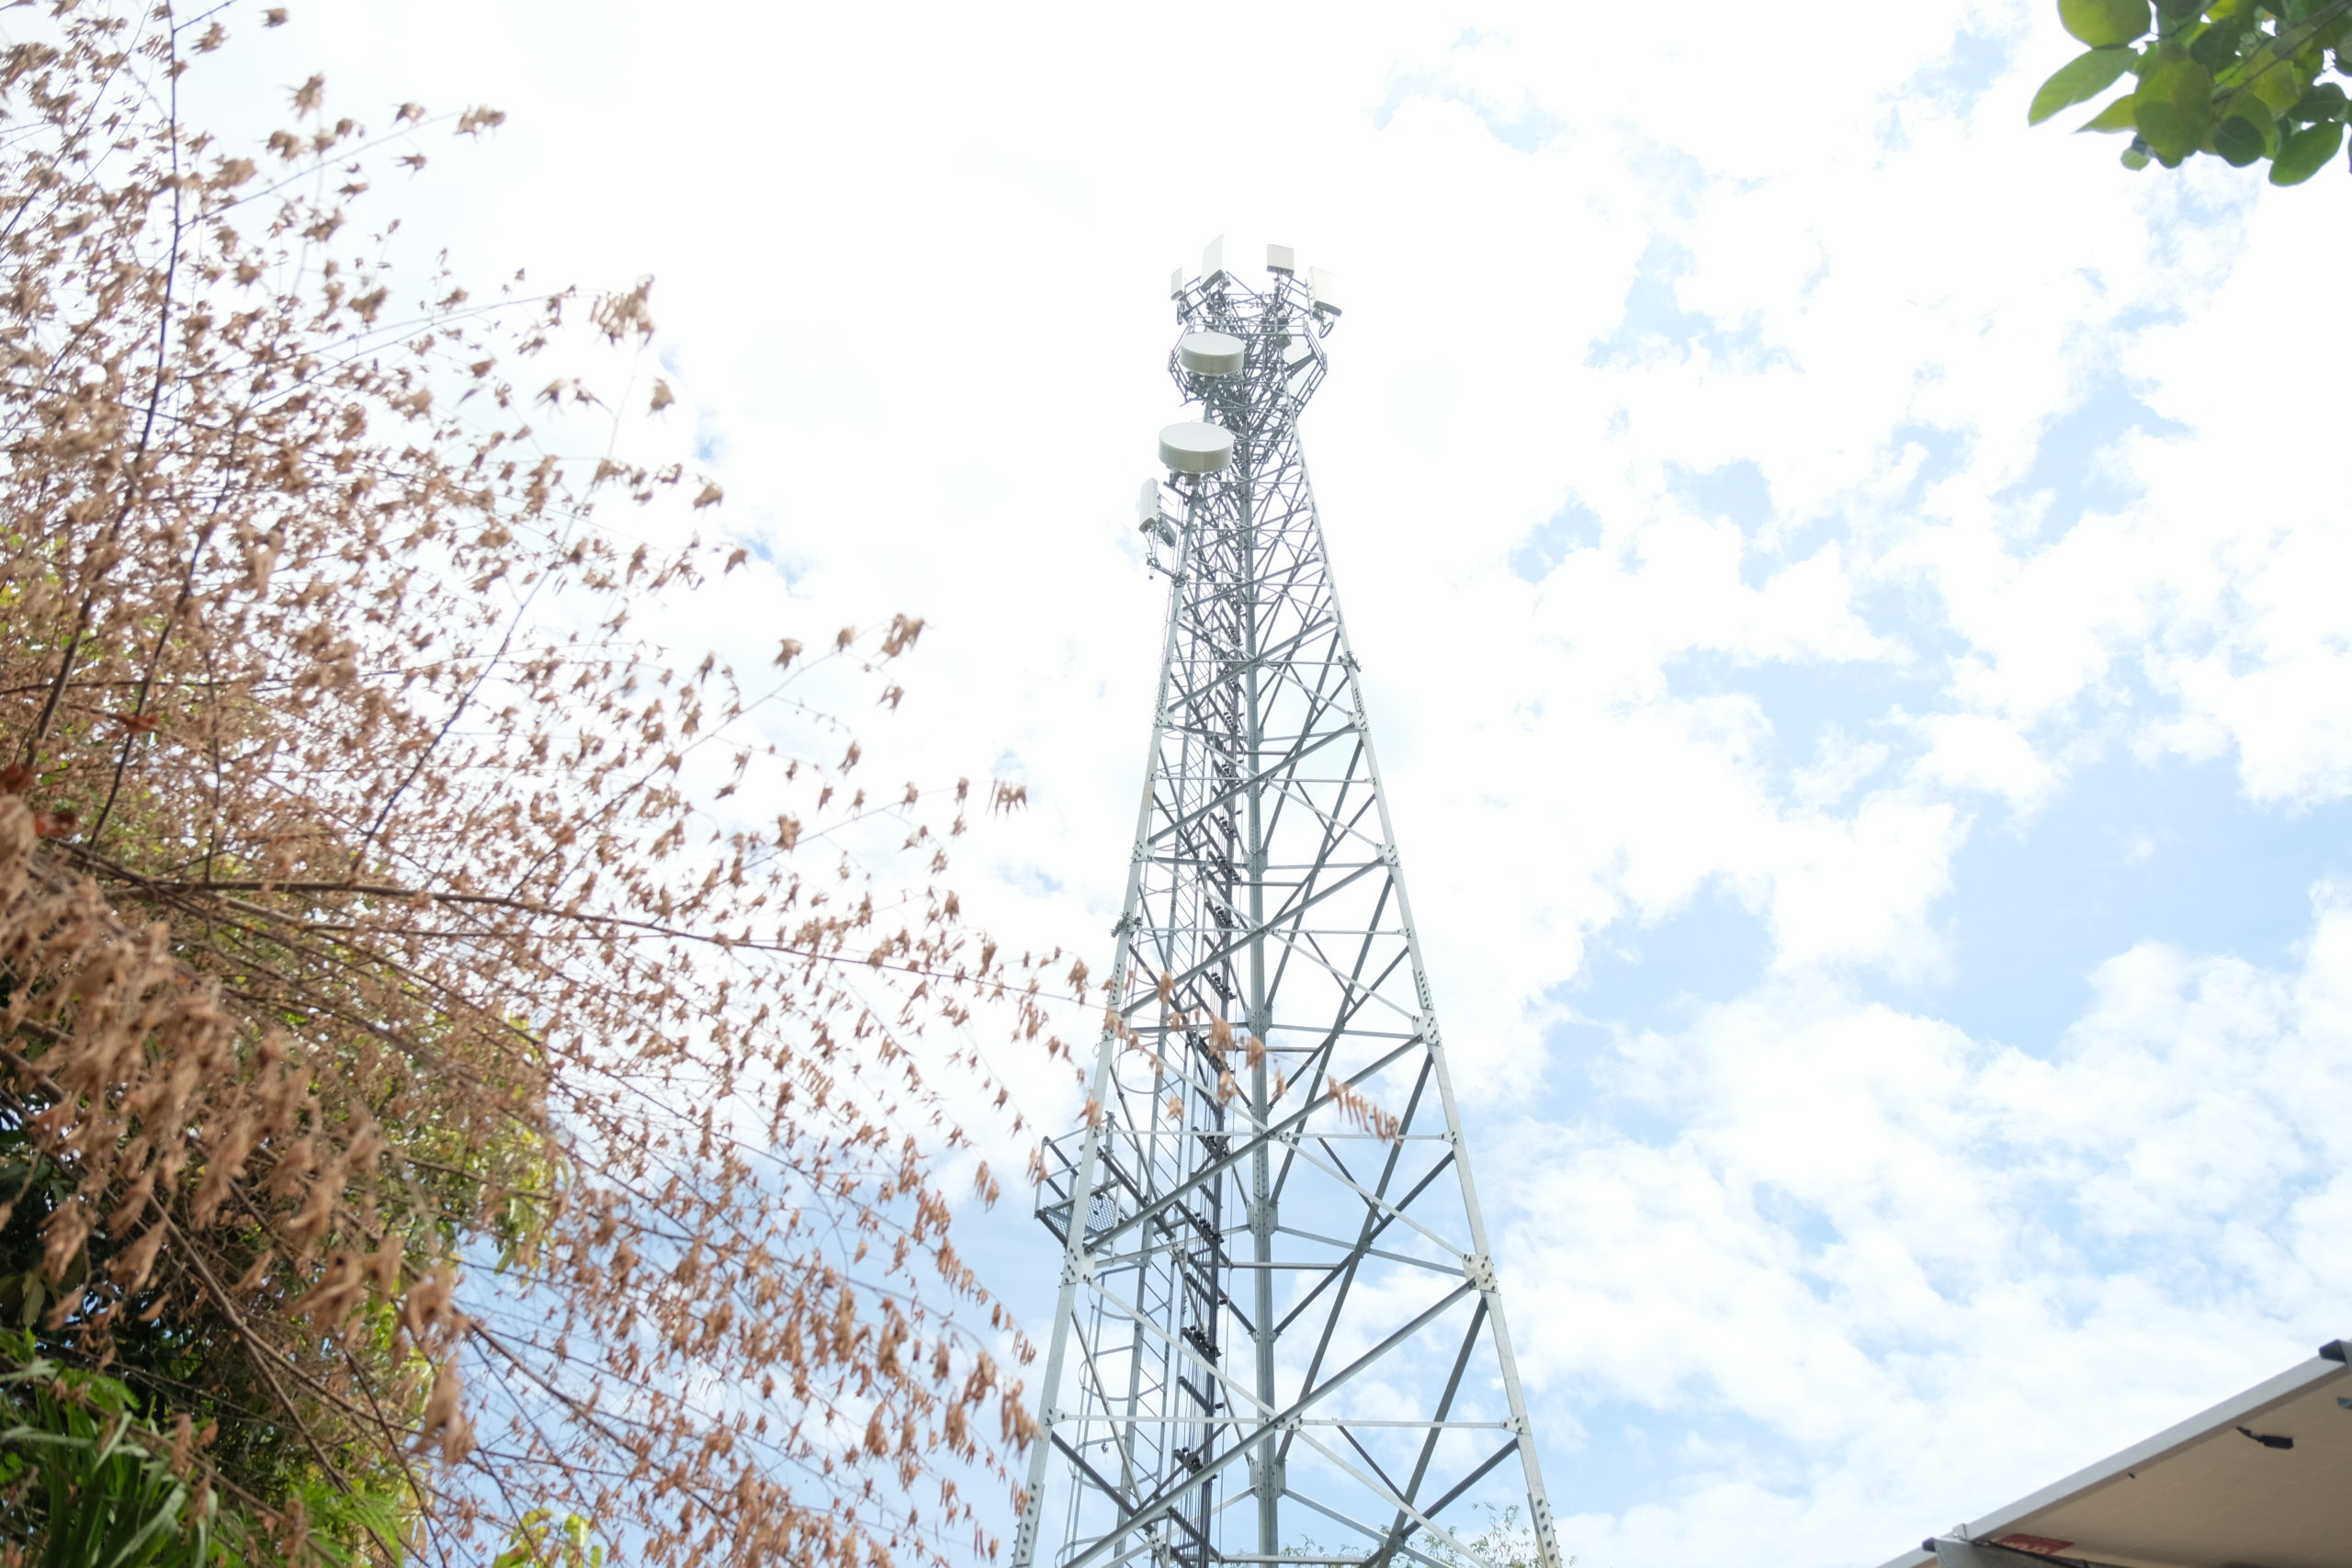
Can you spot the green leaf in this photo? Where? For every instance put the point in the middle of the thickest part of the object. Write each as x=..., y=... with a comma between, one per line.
x=2306, y=152
x=2217, y=46
x=2238, y=141
x=2085, y=76
x=2250, y=107
x=2326, y=101
x=2116, y=116
x=2174, y=107
x=2277, y=81
x=2103, y=24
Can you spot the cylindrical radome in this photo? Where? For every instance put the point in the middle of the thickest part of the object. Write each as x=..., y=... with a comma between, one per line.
x=1210, y=354
x=1196, y=448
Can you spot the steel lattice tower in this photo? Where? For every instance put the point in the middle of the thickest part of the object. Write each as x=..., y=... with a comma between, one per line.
x=1278, y=1322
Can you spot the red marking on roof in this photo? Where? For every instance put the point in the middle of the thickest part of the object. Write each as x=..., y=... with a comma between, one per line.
x=2041, y=1543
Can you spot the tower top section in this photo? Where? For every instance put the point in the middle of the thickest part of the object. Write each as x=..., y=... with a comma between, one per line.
x=1252, y=356
x=1322, y=285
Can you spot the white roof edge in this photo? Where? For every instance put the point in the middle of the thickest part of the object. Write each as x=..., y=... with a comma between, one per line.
x=2319, y=1370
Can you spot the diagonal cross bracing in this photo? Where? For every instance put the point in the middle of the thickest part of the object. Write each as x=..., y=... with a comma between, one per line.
x=1278, y=1312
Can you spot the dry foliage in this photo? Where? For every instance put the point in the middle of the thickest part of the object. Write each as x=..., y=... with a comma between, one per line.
x=468, y=1024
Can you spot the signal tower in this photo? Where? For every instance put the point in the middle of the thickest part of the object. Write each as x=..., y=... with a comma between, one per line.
x=1279, y=1337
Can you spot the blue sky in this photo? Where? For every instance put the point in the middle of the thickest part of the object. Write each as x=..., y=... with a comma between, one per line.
x=1849, y=589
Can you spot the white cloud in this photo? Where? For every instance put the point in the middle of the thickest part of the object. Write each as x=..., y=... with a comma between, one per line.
x=1844, y=762
x=1976, y=751
x=1921, y=1274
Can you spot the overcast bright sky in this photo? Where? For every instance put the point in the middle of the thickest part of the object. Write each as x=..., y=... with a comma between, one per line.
x=1852, y=591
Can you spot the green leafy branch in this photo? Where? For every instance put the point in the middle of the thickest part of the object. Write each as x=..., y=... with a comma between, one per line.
x=542, y=1538
x=2237, y=79
x=86, y=1481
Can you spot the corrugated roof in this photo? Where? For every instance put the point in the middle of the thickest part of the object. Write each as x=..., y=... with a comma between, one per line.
x=2263, y=1479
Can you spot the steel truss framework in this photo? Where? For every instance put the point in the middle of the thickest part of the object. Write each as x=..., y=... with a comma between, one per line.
x=1279, y=1334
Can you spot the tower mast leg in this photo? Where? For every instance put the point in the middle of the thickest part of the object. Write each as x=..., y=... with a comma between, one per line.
x=1266, y=1466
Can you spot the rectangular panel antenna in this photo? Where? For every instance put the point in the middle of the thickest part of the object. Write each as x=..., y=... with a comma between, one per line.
x=1213, y=260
